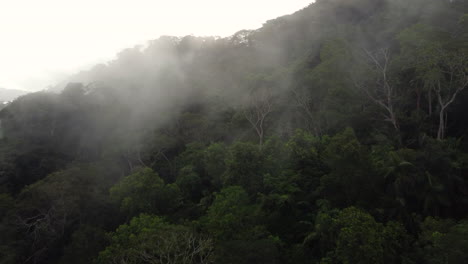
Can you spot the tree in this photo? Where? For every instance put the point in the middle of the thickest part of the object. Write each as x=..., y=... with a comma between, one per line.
x=48, y=211
x=447, y=89
x=379, y=88
x=234, y=223
x=311, y=106
x=352, y=235
x=149, y=239
x=215, y=164
x=86, y=243
x=145, y=192
x=189, y=183
x=351, y=178
x=231, y=216
x=444, y=241
x=245, y=167
x=442, y=68
x=259, y=107
x=401, y=176
x=321, y=92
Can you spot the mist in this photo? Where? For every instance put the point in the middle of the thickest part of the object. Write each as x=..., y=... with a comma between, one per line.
x=331, y=131
x=42, y=43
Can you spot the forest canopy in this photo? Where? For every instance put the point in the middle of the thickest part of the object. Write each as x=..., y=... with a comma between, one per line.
x=336, y=134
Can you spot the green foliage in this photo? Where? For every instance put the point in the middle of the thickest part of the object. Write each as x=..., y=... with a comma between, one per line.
x=149, y=239
x=304, y=152
x=444, y=241
x=246, y=252
x=353, y=236
x=231, y=216
x=86, y=242
x=6, y=204
x=47, y=212
x=145, y=192
x=189, y=183
x=162, y=130
x=215, y=156
x=359, y=239
x=351, y=172
x=245, y=167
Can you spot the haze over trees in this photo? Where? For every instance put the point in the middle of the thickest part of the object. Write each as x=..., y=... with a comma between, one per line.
x=336, y=134
x=7, y=95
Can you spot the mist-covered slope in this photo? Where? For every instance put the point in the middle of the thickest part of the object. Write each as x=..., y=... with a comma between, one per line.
x=7, y=95
x=336, y=134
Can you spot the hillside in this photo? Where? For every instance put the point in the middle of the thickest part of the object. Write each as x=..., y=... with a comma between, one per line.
x=7, y=95
x=336, y=134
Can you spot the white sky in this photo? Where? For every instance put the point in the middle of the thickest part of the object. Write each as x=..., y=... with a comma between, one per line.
x=42, y=41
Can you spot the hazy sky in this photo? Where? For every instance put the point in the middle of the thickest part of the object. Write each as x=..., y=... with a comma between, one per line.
x=41, y=41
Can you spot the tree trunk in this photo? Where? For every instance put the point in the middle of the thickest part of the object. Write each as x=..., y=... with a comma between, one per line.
x=418, y=100
x=429, y=100
x=441, y=131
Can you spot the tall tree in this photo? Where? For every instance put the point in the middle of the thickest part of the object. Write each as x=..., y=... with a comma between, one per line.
x=259, y=107
x=379, y=87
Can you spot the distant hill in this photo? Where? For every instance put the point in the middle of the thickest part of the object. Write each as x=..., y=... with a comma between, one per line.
x=10, y=94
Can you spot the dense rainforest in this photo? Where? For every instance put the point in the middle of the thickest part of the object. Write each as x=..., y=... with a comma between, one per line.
x=336, y=134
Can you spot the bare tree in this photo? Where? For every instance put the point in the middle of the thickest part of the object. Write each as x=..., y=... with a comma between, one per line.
x=44, y=225
x=379, y=89
x=133, y=154
x=171, y=247
x=179, y=248
x=260, y=106
x=309, y=106
x=447, y=88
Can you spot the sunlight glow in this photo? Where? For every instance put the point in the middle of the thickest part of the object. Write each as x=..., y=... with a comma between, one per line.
x=43, y=41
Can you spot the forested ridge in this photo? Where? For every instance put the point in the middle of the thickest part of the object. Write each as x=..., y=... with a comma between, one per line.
x=337, y=134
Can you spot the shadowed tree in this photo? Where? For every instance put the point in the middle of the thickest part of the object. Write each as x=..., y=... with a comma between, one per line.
x=443, y=69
